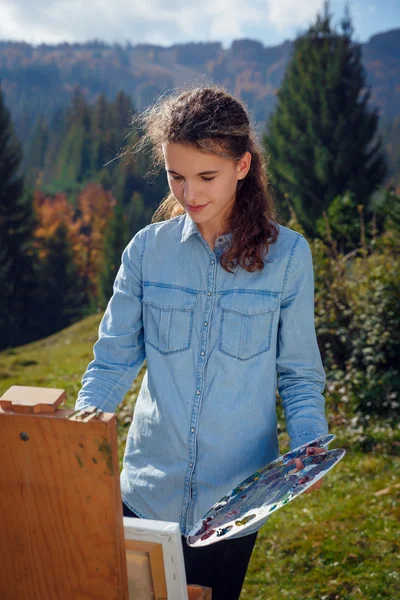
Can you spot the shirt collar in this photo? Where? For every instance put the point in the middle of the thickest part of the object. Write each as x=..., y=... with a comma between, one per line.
x=190, y=227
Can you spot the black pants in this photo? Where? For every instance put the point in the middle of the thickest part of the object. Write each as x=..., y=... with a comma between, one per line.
x=221, y=566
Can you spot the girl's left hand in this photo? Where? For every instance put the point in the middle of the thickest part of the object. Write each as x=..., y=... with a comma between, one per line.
x=300, y=465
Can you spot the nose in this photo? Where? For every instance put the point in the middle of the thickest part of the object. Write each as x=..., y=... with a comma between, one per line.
x=189, y=193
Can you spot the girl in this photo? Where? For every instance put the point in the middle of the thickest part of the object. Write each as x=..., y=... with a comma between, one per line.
x=219, y=300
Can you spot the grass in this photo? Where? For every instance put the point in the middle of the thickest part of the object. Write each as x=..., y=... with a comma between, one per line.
x=340, y=542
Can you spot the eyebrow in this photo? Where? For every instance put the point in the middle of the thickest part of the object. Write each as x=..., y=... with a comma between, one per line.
x=202, y=173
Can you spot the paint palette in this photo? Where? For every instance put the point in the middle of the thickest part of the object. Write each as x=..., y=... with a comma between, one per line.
x=265, y=491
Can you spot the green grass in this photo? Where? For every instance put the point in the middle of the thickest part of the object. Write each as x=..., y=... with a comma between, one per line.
x=337, y=543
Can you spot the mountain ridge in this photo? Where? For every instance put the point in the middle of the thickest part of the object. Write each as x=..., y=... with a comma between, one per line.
x=39, y=79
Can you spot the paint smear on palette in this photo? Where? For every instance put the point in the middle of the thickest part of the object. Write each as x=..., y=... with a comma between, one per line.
x=207, y=535
x=223, y=531
x=245, y=520
x=266, y=490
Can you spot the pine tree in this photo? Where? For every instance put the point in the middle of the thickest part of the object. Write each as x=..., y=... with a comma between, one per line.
x=57, y=128
x=34, y=159
x=100, y=123
x=322, y=138
x=122, y=111
x=74, y=159
x=61, y=290
x=138, y=214
x=116, y=238
x=16, y=250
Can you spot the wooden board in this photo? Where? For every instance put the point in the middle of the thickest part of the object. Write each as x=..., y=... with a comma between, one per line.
x=25, y=399
x=62, y=531
x=198, y=592
x=146, y=576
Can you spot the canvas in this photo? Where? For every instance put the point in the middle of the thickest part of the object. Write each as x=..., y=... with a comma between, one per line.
x=154, y=556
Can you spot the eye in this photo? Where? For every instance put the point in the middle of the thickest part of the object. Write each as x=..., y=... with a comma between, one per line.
x=179, y=177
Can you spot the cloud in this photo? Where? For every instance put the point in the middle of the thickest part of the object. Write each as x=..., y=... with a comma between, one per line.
x=162, y=22
x=152, y=21
x=291, y=13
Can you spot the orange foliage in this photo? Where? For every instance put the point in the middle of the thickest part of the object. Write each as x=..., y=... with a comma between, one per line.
x=86, y=225
x=50, y=212
x=94, y=209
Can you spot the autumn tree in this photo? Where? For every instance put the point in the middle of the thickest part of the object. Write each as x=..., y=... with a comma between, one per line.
x=51, y=212
x=93, y=212
x=85, y=224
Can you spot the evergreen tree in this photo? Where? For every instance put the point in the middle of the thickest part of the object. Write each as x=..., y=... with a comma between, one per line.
x=343, y=223
x=138, y=216
x=322, y=138
x=61, y=291
x=57, y=128
x=36, y=153
x=16, y=251
x=74, y=161
x=122, y=110
x=100, y=123
x=116, y=238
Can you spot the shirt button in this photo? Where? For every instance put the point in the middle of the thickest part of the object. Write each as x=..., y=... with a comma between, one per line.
x=205, y=324
x=198, y=392
x=202, y=353
x=209, y=294
x=192, y=430
x=212, y=262
x=191, y=465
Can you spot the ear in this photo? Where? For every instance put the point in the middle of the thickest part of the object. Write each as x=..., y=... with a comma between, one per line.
x=243, y=165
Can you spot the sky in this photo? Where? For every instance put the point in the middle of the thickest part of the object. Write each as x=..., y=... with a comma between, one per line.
x=168, y=22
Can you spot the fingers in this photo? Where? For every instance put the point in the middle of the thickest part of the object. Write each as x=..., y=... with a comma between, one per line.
x=299, y=464
x=309, y=452
x=316, y=486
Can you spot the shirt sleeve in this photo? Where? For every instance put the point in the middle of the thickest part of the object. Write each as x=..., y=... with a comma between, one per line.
x=119, y=351
x=301, y=376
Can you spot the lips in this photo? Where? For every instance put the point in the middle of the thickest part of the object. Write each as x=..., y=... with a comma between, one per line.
x=196, y=208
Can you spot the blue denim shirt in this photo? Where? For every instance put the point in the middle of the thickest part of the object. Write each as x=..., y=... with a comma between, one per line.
x=217, y=346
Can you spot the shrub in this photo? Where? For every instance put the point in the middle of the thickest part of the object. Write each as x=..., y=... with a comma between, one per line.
x=357, y=316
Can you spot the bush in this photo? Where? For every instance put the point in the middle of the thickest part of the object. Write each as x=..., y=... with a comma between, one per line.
x=372, y=374
x=357, y=316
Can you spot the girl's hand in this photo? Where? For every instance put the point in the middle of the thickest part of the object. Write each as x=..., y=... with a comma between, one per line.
x=300, y=465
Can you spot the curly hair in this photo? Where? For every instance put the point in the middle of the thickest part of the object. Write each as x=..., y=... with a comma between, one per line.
x=211, y=120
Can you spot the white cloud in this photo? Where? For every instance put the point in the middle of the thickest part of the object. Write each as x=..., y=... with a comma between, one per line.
x=162, y=22
x=171, y=21
x=292, y=13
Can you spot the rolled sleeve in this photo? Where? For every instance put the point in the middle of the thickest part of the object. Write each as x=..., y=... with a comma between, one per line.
x=119, y=351
x=301, y=376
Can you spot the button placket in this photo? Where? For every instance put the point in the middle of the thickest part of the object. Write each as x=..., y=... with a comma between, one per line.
x=211, y=274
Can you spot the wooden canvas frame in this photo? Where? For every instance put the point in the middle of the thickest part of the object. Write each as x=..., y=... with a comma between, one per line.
x=161, y=542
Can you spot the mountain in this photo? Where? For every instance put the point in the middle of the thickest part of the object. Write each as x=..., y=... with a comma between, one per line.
x=39, y=80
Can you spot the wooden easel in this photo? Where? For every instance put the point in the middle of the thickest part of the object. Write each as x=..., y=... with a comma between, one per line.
x=62, y=533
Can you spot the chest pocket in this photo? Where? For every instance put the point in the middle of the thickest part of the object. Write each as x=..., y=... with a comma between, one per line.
x=168, y=318
x=246, y=323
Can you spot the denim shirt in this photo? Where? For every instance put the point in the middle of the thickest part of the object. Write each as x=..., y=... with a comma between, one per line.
x=217, y=346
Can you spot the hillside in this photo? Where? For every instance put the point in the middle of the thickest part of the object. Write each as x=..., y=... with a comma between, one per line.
x=337, y=543
x=38, y=80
